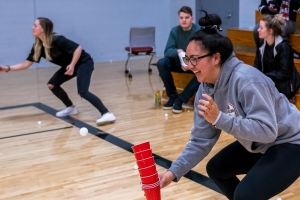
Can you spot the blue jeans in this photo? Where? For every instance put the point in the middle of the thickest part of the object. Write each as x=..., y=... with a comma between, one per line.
x=167, y=65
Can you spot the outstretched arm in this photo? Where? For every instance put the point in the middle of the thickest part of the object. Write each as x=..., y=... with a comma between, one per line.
x=17, y=67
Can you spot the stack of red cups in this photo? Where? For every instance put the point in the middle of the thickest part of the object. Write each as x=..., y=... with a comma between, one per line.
x=147, y=169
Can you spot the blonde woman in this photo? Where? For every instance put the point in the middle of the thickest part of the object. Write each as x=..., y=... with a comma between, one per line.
x=72, y=59
x=274, y=57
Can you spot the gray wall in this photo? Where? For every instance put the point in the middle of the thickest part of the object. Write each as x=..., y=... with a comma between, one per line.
x=247, y=13
x=100, y=26
x=16, y=20
x=229, y=13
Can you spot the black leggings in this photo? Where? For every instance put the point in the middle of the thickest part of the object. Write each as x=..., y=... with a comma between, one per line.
x=266, y=174
x=84, y=74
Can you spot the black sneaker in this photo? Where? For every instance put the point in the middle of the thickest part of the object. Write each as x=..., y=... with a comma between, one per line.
x=177, y=107
x=169, y=104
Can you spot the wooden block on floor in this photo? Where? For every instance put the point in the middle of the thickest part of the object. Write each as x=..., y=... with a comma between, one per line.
x=294, y=40
x=241, y=37
x=180, y=81
x=247, y=57
x=297, y=100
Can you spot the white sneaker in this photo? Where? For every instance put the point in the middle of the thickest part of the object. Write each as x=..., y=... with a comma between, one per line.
x=106, y=118
x=67, y=111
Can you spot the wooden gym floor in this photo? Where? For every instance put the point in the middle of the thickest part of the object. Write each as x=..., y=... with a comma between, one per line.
x=53, y=161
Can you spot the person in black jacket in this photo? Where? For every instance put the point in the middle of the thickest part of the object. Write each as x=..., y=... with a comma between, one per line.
x=275, y=56
x=72, y=59
x=267, y=7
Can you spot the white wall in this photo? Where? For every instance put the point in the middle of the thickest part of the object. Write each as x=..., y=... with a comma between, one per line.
x=247, y=13
x=16, y=20
x=100, y=26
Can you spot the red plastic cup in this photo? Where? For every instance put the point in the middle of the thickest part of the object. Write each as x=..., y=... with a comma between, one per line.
x=149, y=179
x=152, y=193
x=149, y=186
x=147, y=162
x=148, y=170
x=141, y=147
x=143, y=154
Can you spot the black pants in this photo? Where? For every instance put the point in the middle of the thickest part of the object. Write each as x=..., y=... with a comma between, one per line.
x=266, y=174
x=167, y=65
x=84, y=74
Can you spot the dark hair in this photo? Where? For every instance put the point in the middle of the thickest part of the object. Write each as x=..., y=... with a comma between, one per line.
x=186, y=10
x=208, y=38
x=274, y=22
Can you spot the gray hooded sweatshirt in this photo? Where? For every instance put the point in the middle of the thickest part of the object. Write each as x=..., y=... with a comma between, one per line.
x=251, y=109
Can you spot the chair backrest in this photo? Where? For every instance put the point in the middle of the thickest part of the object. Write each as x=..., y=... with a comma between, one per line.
x=142, y=37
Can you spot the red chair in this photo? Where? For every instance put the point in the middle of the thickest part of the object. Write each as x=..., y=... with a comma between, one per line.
x=141, y=43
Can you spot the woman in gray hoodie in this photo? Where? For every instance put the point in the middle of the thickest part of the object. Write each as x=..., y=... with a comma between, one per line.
x=243, y=102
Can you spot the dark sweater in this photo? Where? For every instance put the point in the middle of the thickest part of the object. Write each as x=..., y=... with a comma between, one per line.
x=179, y=39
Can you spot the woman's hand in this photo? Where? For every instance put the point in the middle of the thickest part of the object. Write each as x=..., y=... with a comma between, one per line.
x=208, y=109
x=70, y=70
x=3, y=68
x=272, y=8
x=166, y=178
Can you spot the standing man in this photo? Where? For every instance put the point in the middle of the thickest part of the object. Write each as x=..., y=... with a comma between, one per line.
x=177, y=43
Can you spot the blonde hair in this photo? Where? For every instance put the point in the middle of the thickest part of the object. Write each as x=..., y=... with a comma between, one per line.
x=47, y=25
x=274, y=22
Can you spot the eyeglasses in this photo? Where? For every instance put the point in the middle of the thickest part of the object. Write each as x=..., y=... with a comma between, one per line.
x=194, y=61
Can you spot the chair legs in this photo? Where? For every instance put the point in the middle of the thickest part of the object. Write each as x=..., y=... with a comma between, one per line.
x=149, y=65
x=127, y=68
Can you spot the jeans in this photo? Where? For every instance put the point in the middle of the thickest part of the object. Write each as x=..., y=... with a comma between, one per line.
x=84, y=73
x=167, y=65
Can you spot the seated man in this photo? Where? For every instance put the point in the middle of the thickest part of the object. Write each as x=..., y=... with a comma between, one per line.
x=177, y=43
x=288, y=8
